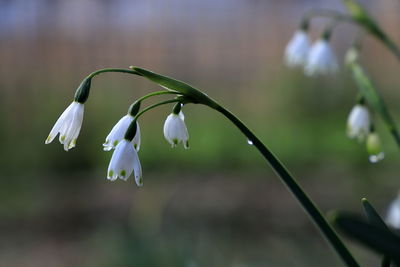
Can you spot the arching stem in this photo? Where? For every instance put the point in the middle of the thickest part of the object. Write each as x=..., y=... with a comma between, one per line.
x=154, y=106
x=296, y=190
x=97, y=72
x=157, y=93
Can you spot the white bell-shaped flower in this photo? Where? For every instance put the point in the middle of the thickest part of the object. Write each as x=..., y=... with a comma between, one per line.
x=124, y=161
x=297, y=49
x=175, y=130
x=358, y=122
x=393, y=214
x=118, y=132
x=68, y=125
x=321, y=59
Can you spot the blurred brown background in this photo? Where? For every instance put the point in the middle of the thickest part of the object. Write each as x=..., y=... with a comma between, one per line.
x=216, y=204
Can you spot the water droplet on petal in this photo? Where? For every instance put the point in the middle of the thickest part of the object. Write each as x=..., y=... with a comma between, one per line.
x=249, y=142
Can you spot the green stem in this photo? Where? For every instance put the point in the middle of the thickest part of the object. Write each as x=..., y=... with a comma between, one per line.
x=195, y=96
x=157, y=93
x=327, y=13
x=366, y=24
x=390, y=45
x=296, y=189
x=155, y=105
x=97, y=72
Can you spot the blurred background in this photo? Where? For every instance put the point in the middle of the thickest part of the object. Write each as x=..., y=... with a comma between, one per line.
x=216, y=204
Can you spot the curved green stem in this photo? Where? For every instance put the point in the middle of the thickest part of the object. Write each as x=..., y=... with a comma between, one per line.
x=193, y=95
x=295, y=188
x=363, y=21
x=157, y=93
x=97, y=72
x=154, y=106
x=327, y=13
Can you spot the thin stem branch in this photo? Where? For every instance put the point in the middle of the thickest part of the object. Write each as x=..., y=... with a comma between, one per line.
x=367, y=25
x=157, y=93
x=296, y=190
x=154, y=106
x=327, y=13
x=97, y=72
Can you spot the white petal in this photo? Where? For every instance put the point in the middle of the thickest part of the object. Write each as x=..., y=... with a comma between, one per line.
x=138, y=171
x=136, y=140
x=358, y=122
x=57, y=126
x=123, y=161
x=393, y=215
x=175, y=130
x=113, y=167
x=117, y=133
x=297, y=50
x=321, y=59
x=68, y=125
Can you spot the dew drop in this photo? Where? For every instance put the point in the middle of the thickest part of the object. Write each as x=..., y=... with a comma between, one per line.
x=249, y=142
x=376, y=158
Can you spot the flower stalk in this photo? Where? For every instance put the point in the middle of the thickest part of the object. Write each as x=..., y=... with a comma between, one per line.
x=125, y=159
x=195, y=96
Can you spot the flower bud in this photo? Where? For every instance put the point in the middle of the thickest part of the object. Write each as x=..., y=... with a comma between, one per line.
x=374, y=147
x=82, y=93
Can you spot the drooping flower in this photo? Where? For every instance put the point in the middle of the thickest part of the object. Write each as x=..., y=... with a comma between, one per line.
x=374, y=147
x=118, y=132
x=297, y=49
x=358, y=122
x=393, y=214
x=68, y=125
x=124, y=161
x=321, y=59
x=175, y=130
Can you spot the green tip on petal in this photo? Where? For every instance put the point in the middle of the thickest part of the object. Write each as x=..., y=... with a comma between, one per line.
x=115, y=143
x=110, y=173
x=123, y=173
x=175, y=141
x=48, y=139
x=140, y=181
x=62, y=138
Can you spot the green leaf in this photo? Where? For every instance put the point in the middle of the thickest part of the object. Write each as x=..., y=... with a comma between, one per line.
x=385, y=261
x=372, y=215
x=372, y=236
x=172, y=84
x=375, y=219
x=373, y=97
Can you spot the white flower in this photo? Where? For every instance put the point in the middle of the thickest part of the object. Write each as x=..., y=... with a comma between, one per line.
x=296, y=51
x=393, y=214
x=118, y=132
x=68, y=125
x=321, y=59
x=175, y=130
x=358, y=122
x=123, y=162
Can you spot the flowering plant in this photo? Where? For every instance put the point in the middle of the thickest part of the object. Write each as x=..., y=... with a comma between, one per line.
x=317, y=59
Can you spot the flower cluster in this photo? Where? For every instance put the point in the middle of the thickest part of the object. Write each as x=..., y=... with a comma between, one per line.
x=316, y=59
x=124, y=138
x=319, y=59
